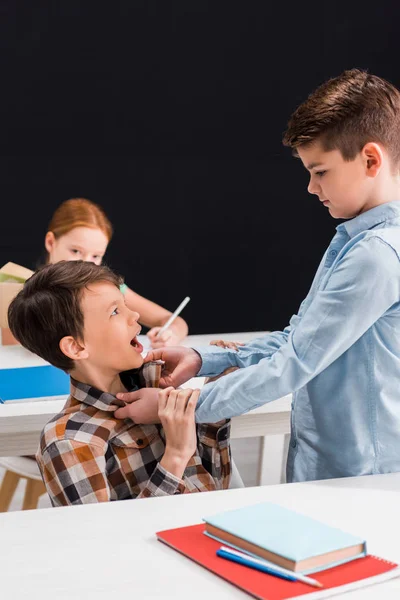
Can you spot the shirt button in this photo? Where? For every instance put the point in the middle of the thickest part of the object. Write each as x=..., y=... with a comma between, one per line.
x=139, y=442
x=333, y=253
x=293, y=443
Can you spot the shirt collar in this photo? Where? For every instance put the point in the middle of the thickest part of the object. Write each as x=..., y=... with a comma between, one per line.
x=371, y=218
x=103, y=400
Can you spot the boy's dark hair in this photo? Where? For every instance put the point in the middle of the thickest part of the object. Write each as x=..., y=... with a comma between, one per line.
x=48, y=307
x=345, y=113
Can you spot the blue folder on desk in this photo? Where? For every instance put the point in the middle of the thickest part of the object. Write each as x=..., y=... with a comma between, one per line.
x=33, y=382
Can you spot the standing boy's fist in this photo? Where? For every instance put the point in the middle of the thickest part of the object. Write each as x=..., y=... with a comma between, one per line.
x=180, y=364
x=176, y=410
x=140, y=406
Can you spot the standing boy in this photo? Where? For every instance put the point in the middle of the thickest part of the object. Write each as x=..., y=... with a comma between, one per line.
x=340, y=355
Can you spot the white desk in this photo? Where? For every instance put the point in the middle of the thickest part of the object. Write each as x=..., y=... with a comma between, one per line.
x=22, y=421
x=107, y=551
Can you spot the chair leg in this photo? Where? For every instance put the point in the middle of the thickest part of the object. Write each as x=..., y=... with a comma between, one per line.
x=7, y=489
x=34, y=489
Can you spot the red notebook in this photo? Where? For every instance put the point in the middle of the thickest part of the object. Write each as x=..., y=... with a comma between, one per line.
x=191, y=542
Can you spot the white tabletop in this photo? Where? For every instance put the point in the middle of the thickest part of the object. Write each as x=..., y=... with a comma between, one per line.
x=21, y=421
x=108, y=551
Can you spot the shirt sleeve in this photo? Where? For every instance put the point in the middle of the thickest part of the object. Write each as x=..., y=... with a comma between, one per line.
x=207, y=470
x=74, y=473
x=213, y=455
x=361, y=288
x=162, y=483
x=215, y=360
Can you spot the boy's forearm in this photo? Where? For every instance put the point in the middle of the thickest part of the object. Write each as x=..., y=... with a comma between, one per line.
x=215, y=360
x=173, y=463
x=179, y=327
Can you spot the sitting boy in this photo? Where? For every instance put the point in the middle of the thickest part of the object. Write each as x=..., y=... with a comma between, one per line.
x=73, y=315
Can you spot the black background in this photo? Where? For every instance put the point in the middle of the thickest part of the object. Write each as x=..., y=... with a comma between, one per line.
x=170, y=115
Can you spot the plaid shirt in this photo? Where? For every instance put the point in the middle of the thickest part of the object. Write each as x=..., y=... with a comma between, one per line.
x=86, y=455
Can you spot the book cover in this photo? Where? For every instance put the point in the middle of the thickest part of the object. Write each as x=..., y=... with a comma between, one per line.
x=285, y=537
x=13, y=272
x=8, y=291
x=191, y=542
x=12, y=278
x=33, y=382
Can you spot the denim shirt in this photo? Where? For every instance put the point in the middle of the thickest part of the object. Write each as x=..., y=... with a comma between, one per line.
x=339, y=356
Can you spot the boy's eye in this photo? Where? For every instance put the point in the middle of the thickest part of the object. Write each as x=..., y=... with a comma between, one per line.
x=320, y=173
x=115, y=312
x=74, y=251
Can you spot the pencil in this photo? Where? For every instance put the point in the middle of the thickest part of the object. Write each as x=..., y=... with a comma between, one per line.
x=265, y=567
x=174, y=315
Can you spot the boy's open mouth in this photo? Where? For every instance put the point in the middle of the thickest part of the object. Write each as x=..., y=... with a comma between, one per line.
x=137, y=345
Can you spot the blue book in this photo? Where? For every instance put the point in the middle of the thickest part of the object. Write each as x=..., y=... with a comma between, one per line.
x=33, y=382
x=284, y=537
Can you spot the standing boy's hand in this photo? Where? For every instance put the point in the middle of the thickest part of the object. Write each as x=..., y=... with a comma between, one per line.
x=180, y=364
x=176, y=412
x=141, y=407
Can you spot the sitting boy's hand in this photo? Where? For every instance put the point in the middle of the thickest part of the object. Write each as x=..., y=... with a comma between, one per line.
x=142, y=406
x=176, y=412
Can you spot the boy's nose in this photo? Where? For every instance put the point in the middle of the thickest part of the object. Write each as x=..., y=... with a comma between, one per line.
x=133, y=316
x=313, y=187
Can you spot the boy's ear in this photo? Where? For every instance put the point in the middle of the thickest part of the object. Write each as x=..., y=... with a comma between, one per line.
x=72, y=348
x=373, y=158
x=49, y=241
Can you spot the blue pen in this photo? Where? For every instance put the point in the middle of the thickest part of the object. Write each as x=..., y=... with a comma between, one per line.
x=259, y=565
x=249, y=563
x=1, y=401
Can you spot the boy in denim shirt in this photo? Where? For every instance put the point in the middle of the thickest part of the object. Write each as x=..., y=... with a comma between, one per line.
x=340, y=354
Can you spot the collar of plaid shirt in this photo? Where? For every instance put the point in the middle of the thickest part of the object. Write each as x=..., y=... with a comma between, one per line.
x=103, y=400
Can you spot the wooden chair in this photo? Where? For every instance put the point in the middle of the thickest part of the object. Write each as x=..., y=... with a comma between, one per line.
x=20, y=467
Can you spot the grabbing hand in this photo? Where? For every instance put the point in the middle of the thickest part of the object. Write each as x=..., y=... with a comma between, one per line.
x=166, y=338
x=180, y=364
x=176, y=412
x=141, y=407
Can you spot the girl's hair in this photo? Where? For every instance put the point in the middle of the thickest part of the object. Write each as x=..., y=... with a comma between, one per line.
x=79, y=212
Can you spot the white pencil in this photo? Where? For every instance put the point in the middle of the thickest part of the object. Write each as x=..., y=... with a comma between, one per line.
x=259, y=561
x=174, y=315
